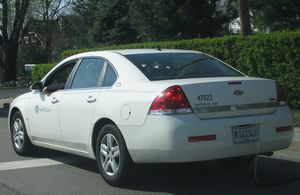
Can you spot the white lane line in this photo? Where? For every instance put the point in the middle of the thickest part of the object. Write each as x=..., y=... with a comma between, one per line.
x=4, y=166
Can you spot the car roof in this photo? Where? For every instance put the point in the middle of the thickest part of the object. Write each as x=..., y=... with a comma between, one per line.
x=147, y=51
x=124, y=52
x=116, y=56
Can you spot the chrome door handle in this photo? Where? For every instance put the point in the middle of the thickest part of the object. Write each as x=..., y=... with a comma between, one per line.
x=91, y=99
x=54, y=100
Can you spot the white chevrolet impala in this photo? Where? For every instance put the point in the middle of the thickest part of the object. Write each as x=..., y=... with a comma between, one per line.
x=123, y=107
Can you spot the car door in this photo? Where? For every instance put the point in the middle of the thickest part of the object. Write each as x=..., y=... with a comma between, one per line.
x=43, y=113
x=78, y=103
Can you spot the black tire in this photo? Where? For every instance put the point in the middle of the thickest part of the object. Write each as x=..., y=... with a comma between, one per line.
x=237, y=163
x=121, y=175
x=24, y=147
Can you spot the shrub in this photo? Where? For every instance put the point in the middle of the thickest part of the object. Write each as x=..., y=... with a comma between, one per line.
x=40, y=70
x=275, y=56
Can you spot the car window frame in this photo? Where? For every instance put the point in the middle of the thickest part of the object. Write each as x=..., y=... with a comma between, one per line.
x=116, y=73
x=101, y=77
x=76, y=69
x=59, y=68
x=205, y=54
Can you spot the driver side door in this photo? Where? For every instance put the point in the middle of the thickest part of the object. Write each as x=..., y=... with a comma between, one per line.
x=43, y=114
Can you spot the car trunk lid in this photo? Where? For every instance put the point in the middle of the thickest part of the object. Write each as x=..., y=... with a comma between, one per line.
x=231, y=97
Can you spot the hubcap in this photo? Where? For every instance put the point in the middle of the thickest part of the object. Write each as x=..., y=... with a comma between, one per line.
x=110, y=154
x=18, y=133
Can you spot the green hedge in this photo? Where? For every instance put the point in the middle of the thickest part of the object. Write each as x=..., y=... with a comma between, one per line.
x=40, y=70
x=275, y=56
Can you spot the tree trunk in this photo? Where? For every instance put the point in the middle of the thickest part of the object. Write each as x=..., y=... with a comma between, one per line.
x=49, y=35
x=10, y=68
x=244, y=17
x=49, y=48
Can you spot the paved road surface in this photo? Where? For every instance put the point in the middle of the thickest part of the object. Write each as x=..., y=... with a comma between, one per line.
x=7, y=95
x=50, y=172
x=12, y=92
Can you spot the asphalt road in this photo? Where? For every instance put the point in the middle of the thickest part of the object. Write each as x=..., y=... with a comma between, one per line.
x=12, y=92
x=50, y=172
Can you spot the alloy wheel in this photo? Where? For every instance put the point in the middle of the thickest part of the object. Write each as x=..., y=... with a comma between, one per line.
x=110, y=154
x=18, y=133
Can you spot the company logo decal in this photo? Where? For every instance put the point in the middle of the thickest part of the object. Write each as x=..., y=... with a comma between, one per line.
x=41, y=109
x=238, y=92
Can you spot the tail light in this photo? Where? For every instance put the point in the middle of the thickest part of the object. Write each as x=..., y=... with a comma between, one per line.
x=171, y=101
x=281, y=99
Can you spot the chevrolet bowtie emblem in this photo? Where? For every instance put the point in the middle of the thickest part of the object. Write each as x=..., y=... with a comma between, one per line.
x=238, y=92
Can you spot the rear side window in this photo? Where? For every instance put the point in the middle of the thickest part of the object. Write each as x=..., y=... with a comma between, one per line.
x=88, y=73
x=163, y=66
x=110, y=77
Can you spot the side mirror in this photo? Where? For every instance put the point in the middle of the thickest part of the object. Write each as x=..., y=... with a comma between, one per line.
x=38, y=86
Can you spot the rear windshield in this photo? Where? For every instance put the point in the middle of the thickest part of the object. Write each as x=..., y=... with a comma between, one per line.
x=163, y=66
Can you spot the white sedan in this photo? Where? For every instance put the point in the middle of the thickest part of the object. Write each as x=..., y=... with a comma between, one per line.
x=123, y=107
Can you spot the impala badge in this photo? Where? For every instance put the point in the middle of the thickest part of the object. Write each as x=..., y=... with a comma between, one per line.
x=238, y=92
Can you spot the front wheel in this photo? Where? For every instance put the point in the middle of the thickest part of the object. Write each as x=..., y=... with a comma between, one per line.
x=20, y=140
x=113, y=159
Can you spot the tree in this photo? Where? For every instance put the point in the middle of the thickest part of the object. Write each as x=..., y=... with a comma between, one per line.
x=75, y=33
x=11, y=34
x=152, y=19
x=125, y=21
x=49, y=36
x=194, y=18
x=112, y=25
x=276, y=15
x=174, y=19
x=244, y=17
x=87, y=9
x=86, y=12
x=47, y=14
x=51, y=28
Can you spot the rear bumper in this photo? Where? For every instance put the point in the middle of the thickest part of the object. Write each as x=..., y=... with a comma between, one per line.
x=166, y=138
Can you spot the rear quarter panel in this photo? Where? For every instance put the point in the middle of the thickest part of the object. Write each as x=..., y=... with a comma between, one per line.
x=125, y=106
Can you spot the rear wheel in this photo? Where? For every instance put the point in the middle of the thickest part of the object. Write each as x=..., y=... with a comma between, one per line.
x=113, y=159
x=240, y=162
x=20, y=141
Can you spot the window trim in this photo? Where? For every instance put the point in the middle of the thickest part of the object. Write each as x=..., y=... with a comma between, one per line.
x=70, y=80
x=58, y=69
x=77, y=67
x=114, y=70
x=101, y=77
x=205, y=54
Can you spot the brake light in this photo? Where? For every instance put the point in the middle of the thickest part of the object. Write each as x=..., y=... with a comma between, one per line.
x=171, y=101
x=283, y=129
x=281, y=99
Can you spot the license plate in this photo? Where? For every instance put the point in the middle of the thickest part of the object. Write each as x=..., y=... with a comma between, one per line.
x=245, y=133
